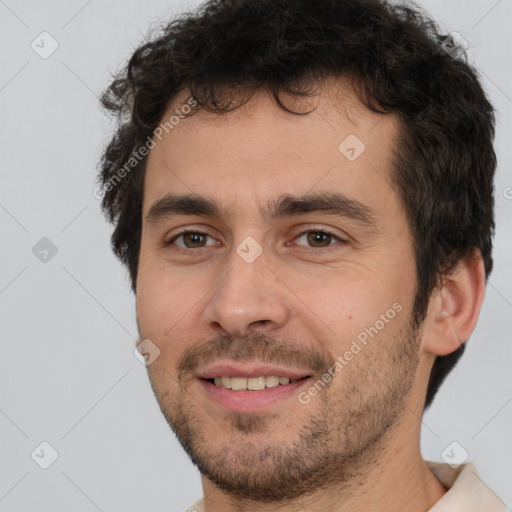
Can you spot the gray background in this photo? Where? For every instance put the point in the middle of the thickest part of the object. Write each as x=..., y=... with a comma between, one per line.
x=68, y=376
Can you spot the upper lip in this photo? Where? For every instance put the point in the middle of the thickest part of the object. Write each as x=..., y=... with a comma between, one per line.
x=249, y=370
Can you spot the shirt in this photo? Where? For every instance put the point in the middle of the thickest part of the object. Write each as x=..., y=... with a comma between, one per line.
x=466, y=491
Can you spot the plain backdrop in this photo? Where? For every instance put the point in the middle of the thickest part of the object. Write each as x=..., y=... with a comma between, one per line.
x=68, y=375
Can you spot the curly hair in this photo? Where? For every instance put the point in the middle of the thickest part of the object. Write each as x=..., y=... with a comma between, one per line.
x=226, y=50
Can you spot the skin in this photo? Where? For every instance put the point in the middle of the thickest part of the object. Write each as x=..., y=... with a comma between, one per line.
x=356, y=444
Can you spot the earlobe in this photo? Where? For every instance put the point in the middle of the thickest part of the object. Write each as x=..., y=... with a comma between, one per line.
x=455, y=308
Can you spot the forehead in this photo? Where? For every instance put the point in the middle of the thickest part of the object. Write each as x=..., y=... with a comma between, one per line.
x=261, y=151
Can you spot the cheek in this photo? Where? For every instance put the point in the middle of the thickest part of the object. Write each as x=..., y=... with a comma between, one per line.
x=347, y=299
x=164, y=307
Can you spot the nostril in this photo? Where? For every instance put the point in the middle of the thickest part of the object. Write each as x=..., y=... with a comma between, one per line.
x=259, y=322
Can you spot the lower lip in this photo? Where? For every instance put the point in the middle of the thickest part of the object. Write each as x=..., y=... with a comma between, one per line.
x=251, y=401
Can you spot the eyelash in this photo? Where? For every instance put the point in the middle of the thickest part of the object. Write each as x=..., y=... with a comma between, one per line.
x=322, y=231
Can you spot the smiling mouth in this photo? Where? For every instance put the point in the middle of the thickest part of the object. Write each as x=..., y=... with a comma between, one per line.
x=252, y=383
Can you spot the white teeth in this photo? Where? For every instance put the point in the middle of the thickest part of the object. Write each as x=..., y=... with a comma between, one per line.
x=256, y=383
x=251, y=383
x=224, y=382
x=238, y=383
x=271, y=382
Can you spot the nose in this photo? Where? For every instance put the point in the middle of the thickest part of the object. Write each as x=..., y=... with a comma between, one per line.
x=249, y=298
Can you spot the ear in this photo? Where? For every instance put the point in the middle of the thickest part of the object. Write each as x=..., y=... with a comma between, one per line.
x=454, y=308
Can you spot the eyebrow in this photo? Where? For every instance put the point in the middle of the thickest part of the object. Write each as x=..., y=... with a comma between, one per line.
x=287, y=205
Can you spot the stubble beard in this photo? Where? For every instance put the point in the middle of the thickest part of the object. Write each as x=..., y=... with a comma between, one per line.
x=341, y=435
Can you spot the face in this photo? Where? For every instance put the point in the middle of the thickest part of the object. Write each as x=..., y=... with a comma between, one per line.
x=297, y=263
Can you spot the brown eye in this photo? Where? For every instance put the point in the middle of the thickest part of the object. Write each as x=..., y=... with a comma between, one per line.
x=190, y=240
x=193, y=240
x=319, y=238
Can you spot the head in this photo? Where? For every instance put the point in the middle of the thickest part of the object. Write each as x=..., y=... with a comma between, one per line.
x=245, y=102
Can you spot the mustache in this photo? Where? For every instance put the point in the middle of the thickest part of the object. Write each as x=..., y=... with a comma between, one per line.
x=260, y=347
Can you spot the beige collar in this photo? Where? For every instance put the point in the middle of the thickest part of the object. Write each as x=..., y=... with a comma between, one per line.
x=467, y=491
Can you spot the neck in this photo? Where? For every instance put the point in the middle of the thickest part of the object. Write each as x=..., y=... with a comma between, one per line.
x=392, y=477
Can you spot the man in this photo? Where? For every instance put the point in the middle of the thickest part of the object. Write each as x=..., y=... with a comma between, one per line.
x=302, y=193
